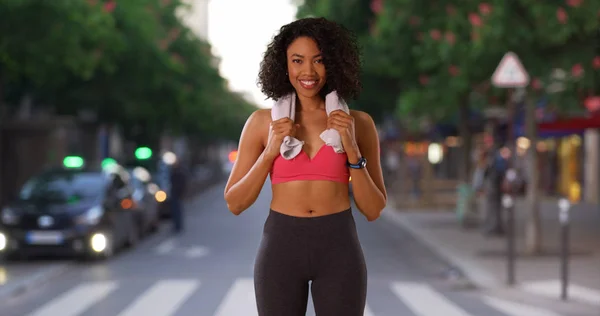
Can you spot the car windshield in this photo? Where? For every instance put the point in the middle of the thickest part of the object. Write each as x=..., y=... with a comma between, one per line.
x=63, y=187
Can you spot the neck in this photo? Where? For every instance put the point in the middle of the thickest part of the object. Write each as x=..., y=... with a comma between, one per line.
x=309, y=104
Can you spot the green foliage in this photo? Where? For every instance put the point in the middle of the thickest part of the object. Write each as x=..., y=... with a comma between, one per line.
x=132, y=62
x=471, y=37
x=441, y=52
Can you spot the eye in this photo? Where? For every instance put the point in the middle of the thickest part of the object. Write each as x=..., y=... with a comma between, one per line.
x=319, y=61
x=296, y=60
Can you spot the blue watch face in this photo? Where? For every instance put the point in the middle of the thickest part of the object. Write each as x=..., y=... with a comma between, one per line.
x=362, y=162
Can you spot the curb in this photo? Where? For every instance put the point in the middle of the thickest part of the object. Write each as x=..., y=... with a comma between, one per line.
x=34, y=280
x=479, y=277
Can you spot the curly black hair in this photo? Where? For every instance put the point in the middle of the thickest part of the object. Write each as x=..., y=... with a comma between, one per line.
x=339, y=48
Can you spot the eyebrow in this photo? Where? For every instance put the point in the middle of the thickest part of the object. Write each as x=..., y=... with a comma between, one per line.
x=300, y=56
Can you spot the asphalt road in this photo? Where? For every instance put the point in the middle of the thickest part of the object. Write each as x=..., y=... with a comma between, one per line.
x=207, y=271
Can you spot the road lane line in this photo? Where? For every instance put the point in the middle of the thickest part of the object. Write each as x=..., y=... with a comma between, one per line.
x=239, y=300
x=166, y=246
x=196, y=252
x=516, y=309
x=162, y=299
x=77, y=300
x=425, y=301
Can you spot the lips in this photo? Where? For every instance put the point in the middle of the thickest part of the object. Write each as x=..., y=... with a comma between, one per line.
x=308, y=84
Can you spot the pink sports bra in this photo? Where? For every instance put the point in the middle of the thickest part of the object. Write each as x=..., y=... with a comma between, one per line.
x=326, y=165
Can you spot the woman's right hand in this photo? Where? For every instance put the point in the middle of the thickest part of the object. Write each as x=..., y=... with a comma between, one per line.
x=278, y=130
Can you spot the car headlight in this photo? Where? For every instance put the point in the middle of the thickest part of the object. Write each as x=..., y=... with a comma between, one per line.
x=91, y=216
x=9, y=216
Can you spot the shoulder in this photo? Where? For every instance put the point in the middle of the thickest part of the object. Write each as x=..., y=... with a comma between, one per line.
x=261, y=115
x=259, y=119
x=362, y=119
x=257, y=125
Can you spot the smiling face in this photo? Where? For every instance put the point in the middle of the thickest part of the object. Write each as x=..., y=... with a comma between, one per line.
x=305, y=67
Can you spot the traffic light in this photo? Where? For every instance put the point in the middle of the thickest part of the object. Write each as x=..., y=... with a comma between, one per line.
x=143, y=153
x=107, y=162
x=73, y=162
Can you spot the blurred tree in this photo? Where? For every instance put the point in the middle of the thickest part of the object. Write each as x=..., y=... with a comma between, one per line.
x=134, y=63
x=44, y=43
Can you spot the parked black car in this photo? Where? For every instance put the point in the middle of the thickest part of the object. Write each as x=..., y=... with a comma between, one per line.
x=75, y=211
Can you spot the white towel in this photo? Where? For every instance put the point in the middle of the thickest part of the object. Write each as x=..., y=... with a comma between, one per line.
x=286, y=107
x=332, y=137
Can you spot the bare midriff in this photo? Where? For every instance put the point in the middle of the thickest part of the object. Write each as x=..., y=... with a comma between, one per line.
x=310, y=198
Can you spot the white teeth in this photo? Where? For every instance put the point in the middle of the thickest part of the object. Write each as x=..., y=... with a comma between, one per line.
x=308, y=83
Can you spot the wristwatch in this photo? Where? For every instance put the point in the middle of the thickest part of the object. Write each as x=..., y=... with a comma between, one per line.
x=362, y=163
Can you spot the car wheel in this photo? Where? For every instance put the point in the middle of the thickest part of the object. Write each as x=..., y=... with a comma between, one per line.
x=133, y=235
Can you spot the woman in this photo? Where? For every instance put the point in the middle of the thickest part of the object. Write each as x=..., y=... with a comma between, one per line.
x=310, y=234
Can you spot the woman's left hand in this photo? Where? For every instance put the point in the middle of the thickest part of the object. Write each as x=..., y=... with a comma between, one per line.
x=344, y=124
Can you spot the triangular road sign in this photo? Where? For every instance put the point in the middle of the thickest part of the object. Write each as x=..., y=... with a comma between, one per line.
x=510, y=73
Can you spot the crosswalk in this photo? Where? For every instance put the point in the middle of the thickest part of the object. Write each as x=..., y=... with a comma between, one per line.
x=171, y=247
x=167, y=297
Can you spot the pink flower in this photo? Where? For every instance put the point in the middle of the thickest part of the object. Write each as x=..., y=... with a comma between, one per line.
x=110, y=6
x=596, y=62
x=376, y=6
x=574, y=3
x=536, y=84
x=592, y=103
x=453, y=70
x=450, y=38
x=435, y=34
x=475, y=19
x=485, y=8
x=561, y=15
x=577, y=70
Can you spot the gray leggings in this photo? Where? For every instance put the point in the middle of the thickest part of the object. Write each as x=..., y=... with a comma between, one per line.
x=324, y=250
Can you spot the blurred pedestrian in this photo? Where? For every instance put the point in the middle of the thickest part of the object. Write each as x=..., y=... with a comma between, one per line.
x=481, y=168
x=493, y=223
x=178, y=181
x=415, y=175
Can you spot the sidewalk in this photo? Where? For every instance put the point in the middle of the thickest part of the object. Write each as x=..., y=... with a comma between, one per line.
x=483, y=260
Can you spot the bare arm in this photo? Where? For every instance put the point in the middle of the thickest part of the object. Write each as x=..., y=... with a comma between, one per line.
x=368, y=187
x=251, y=167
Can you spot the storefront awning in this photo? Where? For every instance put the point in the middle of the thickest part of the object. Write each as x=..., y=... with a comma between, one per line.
x=572, y=125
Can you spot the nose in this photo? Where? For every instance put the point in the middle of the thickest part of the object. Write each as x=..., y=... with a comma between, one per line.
x=308, y=68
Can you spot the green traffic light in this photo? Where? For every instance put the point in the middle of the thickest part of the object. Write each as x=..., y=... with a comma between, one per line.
x=107, y=162
x=143, y=153
x=73, y=162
